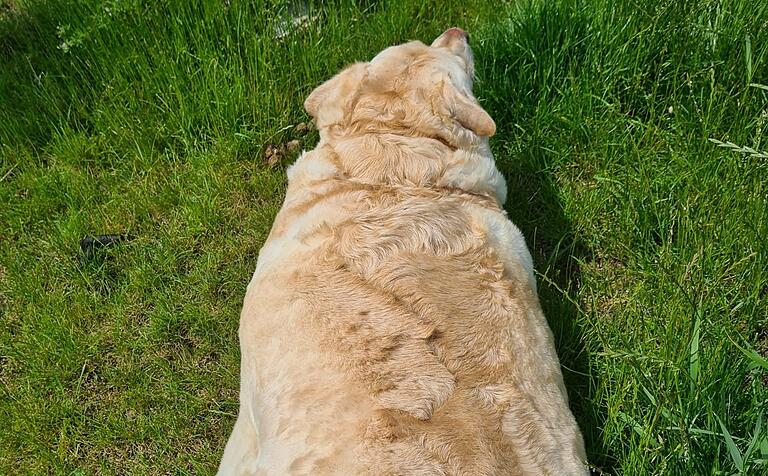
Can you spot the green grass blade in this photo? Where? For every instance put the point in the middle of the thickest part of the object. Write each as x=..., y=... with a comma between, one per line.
x=693, y=355
x=756, y=359
x=756, y=434
x=748, y=57
x=738, y=461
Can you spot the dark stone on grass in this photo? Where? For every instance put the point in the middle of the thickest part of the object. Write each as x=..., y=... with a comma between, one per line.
x=275, y=155
x=293, y=146
x=90, y=244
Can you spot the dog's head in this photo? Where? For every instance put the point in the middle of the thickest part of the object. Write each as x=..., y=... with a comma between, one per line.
x=411, y=89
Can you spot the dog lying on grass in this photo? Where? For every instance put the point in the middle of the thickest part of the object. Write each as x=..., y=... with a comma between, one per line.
x=392, y=325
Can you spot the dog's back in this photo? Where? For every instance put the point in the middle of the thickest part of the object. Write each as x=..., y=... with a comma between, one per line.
x=392, y=325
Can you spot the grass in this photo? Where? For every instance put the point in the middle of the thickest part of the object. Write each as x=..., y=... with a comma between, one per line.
x=151, y=118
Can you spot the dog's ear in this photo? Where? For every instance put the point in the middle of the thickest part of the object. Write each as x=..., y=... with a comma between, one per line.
x=327, y=103
x=465, y=110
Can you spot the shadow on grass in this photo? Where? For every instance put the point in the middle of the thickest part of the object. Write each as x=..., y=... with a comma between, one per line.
x=534, y=206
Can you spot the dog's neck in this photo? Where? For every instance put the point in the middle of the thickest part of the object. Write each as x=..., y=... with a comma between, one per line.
x=394, y=159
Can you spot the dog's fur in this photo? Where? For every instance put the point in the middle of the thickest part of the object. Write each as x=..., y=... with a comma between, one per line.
x=392, y=325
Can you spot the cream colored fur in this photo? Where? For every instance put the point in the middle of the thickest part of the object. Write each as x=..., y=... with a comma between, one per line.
x=392, y=325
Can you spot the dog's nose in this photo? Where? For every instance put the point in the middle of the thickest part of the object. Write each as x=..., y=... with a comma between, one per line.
x=452, y=37
x=457, y=32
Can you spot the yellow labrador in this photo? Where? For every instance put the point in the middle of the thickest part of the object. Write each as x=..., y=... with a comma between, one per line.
x=392, y=325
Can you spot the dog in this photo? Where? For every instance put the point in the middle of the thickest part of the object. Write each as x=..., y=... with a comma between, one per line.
x=392, y=325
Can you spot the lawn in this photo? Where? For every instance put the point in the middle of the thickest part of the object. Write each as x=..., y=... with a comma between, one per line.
x=151, y=119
